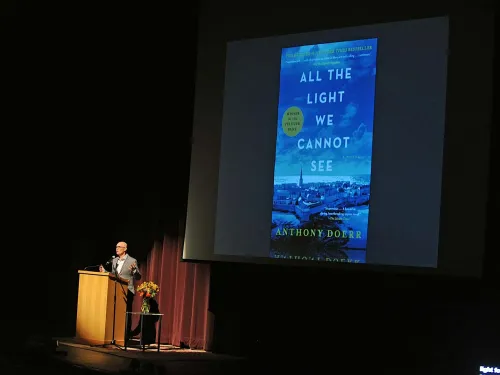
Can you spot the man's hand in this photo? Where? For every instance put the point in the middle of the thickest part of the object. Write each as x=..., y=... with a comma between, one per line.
x=133, y=267
x=101, y=268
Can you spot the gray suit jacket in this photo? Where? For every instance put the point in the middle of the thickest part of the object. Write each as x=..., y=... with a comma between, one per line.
x=125, y=272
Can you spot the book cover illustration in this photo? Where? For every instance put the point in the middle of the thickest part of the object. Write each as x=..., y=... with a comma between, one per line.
x=323, y=160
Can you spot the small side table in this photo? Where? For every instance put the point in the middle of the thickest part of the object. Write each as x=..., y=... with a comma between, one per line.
x=128, y=315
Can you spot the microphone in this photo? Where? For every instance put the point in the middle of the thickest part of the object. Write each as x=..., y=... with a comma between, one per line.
x=110, y=260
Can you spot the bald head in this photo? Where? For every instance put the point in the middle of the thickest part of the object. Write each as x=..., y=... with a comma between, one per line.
x=121, y=249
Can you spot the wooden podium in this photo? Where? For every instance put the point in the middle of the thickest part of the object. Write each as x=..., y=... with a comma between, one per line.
x=97, y=312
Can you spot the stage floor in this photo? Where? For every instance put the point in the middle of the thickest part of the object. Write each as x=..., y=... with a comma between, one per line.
x=170, y=359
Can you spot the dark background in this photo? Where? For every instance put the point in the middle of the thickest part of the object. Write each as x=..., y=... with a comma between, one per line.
x=97, y=157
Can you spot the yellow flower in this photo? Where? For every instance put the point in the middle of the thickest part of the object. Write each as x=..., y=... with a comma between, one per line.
x=149, y=287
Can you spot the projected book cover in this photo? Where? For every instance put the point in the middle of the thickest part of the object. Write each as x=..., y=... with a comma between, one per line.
x=323, y=152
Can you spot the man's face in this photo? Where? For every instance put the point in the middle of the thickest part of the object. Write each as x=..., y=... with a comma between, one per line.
x=121, y=247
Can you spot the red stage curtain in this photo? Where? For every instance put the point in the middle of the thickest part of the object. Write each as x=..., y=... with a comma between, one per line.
x=183, y=297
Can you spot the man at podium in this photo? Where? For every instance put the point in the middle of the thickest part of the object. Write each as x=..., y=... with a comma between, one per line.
x=126, y=267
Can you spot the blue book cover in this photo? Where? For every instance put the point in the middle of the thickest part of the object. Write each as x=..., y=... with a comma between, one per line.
x=323, y=159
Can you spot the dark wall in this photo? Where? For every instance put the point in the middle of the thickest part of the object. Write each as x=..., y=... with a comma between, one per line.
x=103, y=153
x=380, y=320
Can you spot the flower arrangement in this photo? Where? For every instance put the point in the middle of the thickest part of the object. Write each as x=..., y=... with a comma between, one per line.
x=147, y=290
